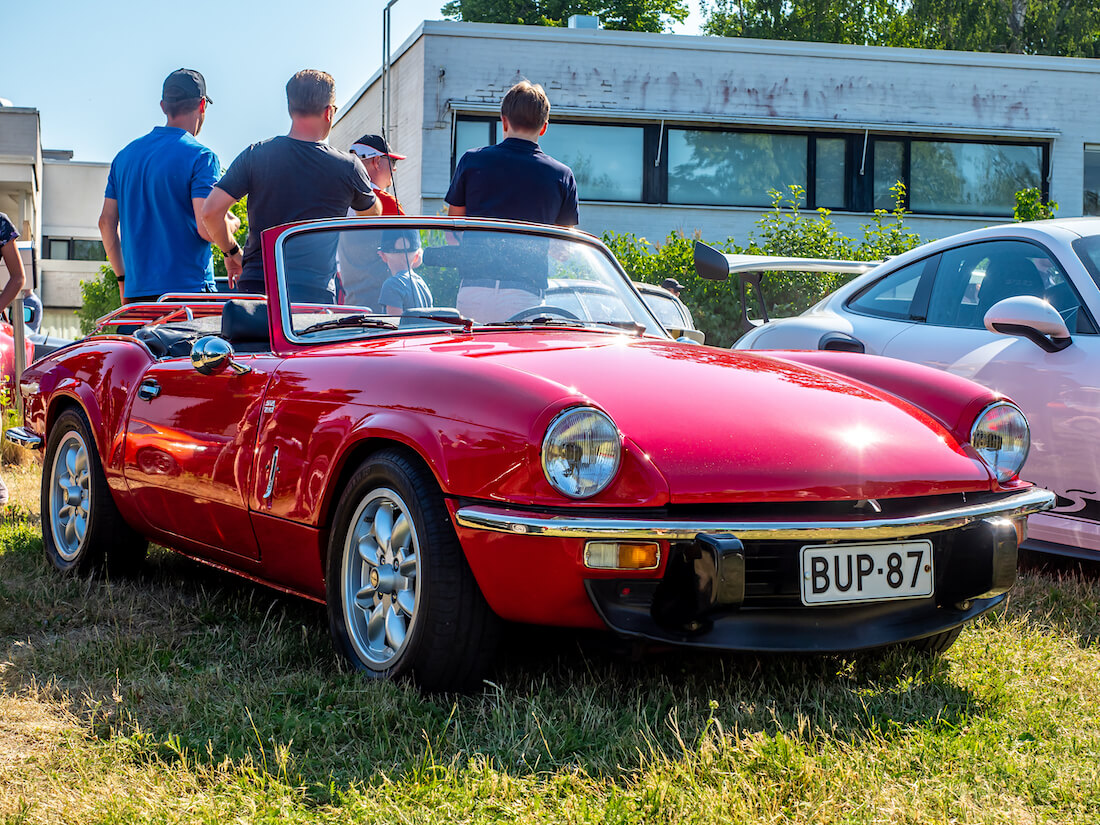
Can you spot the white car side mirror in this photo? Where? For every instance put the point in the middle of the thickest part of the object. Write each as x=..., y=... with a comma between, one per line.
x=1031, y=318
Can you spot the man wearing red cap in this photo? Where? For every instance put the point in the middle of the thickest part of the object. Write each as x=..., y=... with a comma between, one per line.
x=379, y=162
x=362, y=272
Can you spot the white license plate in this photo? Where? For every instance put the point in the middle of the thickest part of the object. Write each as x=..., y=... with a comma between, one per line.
x=841, y=573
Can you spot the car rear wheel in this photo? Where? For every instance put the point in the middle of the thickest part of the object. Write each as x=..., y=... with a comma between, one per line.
x=82, y=529
x=401, y=598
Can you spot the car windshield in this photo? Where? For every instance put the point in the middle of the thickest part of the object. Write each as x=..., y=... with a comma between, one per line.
x=356, y=278
x=1088, y=250
x=665, y=308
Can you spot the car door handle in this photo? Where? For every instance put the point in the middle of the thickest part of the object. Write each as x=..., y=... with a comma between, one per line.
x=148, y=390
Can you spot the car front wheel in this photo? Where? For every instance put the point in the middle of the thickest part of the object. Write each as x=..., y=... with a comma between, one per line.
x=401, y=598
x=82, y=529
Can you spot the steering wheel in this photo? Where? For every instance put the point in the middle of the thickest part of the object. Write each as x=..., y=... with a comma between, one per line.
x=547, y=309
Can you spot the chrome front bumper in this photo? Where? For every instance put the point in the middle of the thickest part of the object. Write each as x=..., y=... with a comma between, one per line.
x=23, y=437
x=502, y=520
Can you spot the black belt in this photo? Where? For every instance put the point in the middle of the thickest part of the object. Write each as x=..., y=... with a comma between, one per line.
x=503, y=283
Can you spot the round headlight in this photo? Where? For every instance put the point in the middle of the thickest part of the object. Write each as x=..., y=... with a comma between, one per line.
x=1002, y=438
x=581, y=451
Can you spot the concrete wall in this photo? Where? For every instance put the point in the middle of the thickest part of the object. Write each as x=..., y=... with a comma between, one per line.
x=72, y=196
x=628, y=77
x=405, y=133
x=21, y=169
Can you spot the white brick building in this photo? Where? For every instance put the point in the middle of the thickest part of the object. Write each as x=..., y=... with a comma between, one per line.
x=672, y=132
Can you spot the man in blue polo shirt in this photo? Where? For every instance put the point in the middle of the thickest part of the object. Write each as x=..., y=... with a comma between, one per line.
x=514, y=180
x=155, y=193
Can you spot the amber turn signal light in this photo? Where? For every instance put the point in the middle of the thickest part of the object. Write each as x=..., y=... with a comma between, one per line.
x=622, y=555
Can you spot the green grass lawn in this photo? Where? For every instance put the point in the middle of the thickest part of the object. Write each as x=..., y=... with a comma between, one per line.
x=192, y=696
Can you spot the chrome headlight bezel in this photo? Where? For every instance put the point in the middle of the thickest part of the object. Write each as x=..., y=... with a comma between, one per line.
x=598, y=478
x=1007, y=466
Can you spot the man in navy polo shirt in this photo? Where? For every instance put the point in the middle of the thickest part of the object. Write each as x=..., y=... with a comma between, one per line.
x=514, y=180
x=155, y=194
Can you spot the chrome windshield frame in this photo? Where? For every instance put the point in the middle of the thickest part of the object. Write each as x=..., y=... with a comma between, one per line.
x=442, y=224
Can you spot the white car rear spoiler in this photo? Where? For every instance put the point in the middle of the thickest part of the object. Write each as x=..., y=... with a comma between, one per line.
x=718, y=266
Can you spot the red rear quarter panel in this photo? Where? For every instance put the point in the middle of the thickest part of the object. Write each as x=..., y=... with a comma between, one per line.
x=99, y=376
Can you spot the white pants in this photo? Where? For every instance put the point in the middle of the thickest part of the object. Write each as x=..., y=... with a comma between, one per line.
x=487, y=304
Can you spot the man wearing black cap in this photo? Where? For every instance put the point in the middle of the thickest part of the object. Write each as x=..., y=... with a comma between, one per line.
x=362, y=272
x=292, y=177
x=673, y=286
x=155, y=194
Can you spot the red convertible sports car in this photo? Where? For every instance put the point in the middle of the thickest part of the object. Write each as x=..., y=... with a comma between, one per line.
x=429, y=473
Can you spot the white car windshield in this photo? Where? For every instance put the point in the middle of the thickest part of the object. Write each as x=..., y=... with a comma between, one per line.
x=356, y=278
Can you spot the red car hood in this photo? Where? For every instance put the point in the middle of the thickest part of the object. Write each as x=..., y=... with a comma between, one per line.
x=728, y=426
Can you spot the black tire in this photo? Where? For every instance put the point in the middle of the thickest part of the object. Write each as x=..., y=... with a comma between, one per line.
x=937, y=644
x=82, y=530
x=419, y=611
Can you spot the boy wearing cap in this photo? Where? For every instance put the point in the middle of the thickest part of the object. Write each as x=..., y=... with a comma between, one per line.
x=362, y=273
x=293, y=177
x=404, y=289
x=155, y=193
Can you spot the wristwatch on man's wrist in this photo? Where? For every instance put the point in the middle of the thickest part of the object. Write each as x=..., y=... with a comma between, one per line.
x=230, y=253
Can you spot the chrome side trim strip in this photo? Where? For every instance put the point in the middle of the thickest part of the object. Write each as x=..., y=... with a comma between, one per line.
x=23, y=437
x=500, y=520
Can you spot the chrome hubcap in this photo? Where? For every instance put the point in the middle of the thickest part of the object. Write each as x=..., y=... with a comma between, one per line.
x=380, y=595
x=70, y=495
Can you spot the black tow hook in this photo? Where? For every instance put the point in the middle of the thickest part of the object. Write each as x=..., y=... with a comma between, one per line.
x=701, y=578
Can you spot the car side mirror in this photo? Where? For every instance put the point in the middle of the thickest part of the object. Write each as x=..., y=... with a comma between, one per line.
x=1031, y=318
x=210, y=355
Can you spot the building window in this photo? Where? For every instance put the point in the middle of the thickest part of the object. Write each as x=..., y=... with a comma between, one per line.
x=830, y=173
x=854, y=172
x=889, y=169
x=958, y=178
x=1091, y=204
x=74, y=249
x=607, y=161
x=473, y=134
x=733, y=168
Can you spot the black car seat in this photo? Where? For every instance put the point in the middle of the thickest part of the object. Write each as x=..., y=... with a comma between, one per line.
x=1008, y=277
x=245, y=325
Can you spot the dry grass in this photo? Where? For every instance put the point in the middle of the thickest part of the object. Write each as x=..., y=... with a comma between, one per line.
x=190, y=696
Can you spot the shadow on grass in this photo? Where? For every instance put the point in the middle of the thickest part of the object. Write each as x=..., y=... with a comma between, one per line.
x=188, y=660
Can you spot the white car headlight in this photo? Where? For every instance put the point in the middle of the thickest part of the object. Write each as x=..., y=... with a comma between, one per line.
x=1002, y=438
x=581, y=452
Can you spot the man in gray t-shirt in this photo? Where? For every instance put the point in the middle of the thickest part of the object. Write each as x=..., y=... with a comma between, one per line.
x=293, y=177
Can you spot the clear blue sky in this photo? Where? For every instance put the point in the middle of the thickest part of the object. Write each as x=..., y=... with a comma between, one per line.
x=94, y=70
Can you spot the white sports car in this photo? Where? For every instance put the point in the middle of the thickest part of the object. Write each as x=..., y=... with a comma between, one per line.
x=1013, y=307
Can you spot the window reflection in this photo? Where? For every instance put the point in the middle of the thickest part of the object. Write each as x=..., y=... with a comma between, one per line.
x=1091, y=205
x=889, y=169
x=732, y=168
x=606, y=160
x=829, y=176
x=971, y=178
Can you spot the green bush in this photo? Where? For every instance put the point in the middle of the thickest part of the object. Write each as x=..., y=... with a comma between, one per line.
x=785, y=230
x=1030, y=206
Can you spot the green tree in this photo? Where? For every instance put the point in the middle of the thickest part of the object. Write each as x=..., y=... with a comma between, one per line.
x=1058, y=27
x=622, y=15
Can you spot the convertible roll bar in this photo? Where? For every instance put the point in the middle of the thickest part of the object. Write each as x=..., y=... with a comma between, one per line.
x=718, y=266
